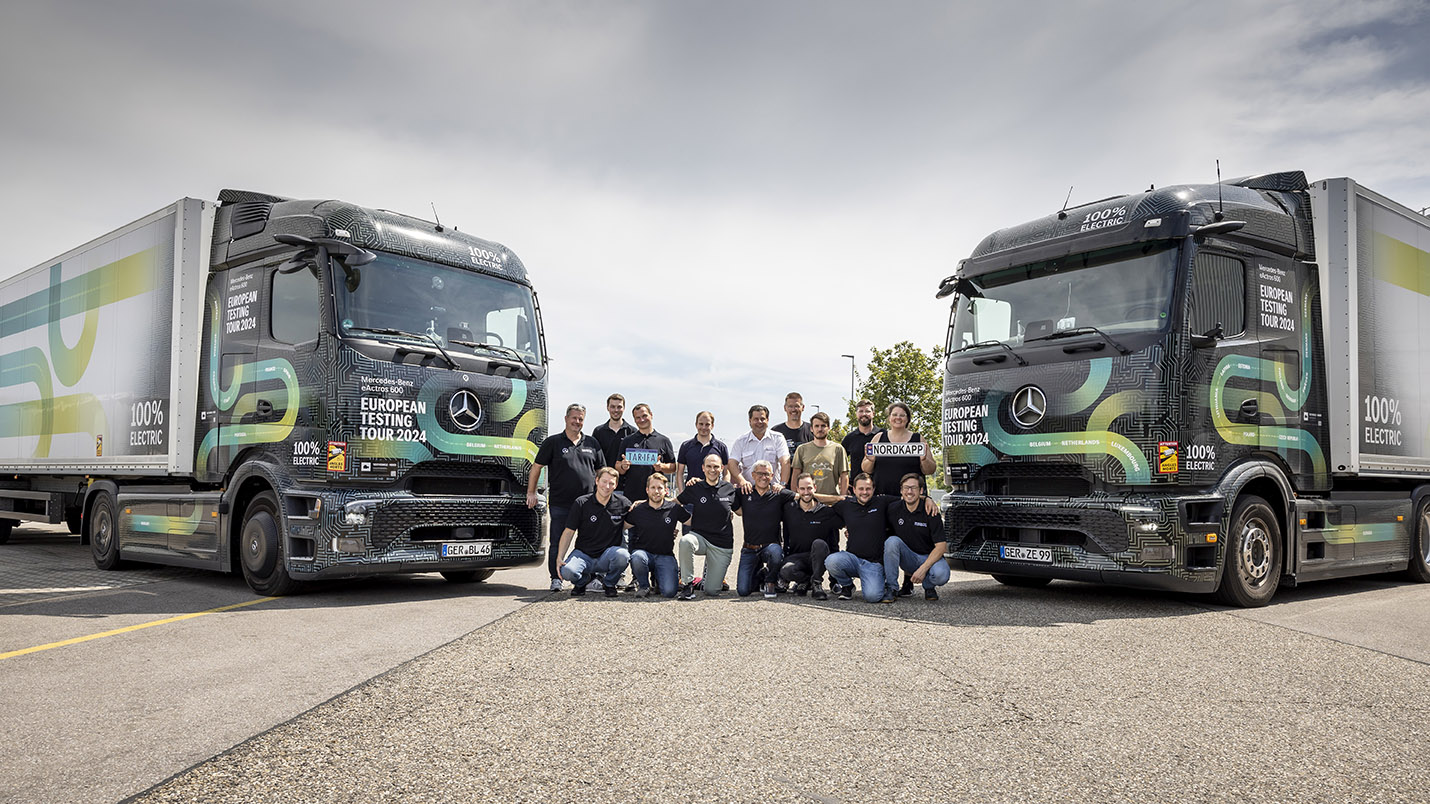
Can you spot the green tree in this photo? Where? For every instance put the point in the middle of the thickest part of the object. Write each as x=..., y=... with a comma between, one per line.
x=904, y=373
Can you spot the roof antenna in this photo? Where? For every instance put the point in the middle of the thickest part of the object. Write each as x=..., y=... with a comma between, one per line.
x=1219, y=205
x=1063, y=213
x=439, y=220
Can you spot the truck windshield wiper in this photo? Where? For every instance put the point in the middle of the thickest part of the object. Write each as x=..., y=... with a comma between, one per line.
x=420, y=336
x=1084, y=330
x=1020, y=360
x=505, y=351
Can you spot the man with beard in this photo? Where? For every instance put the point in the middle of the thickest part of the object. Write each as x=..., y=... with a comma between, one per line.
x=855, y=439
x=653, y=523
x=597, y=522
x=866, y=527
x=811, y=534
x=917, y=544
x=825, y=461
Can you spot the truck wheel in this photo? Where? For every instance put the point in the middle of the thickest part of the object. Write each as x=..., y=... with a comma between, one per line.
x=1022, y=580
x=260, y=548
x=6, y=525
x=103, y=528
x=73, y=520
x=1420, y=546
x=467, y=576
x=1252, y=569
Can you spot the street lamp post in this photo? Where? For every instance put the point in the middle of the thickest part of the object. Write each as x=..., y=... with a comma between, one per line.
x=851, y=377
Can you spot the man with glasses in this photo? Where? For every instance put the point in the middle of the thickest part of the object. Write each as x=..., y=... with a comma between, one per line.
x=917, y=544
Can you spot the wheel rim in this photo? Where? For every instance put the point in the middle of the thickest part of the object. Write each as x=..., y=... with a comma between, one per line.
x=1254, y=558
x=103, y=534
x=255, y=548
x=1425, y=535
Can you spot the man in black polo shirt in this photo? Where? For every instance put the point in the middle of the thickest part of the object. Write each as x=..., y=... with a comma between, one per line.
x=711, y=501
x=597, y=521
x=855, y=440
x=611, y=433
x=811, y=534
x=917, y=544
x=866, y=529
x=571, y=460
x=643, y=445
x=653, y=524
x=762, y=511
x=794, y=429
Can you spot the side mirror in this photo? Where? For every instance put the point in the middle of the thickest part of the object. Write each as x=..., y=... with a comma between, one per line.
x=1208, y=338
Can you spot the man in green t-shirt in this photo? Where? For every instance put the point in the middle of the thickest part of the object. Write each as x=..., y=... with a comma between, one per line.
x=823, y=460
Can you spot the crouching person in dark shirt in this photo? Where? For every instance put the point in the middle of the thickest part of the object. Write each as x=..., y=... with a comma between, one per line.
x=761, y=509
x=597, y=523
x=917, y=544
x=711, y=533
x=653, y=523
x=811, y=534
x=867, y=527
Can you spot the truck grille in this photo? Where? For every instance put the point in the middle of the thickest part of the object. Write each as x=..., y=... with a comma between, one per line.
x=1034, y=480
x=514, y=527
x=971, y=524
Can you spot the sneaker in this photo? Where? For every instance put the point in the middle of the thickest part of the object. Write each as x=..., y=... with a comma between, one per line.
x=835, y=589
x=724, y=587
x=578, y=590
x=643, y=591
x=770, y=591
x=801, y=588
x=846, y=592
x=890, y=593
x=609, y=590
x=930, y=593
x=556, y=584
x=817, y=592
x=907, y=589
x=630, y=587
x=697, y=583
x=783, y=586
x=686, y=592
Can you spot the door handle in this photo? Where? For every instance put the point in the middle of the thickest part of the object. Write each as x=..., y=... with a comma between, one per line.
x=264, y=407
x=1250, y=410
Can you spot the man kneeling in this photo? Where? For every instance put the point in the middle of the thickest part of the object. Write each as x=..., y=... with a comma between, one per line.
x=653, y=523
x=597, y=522
x=917, y=544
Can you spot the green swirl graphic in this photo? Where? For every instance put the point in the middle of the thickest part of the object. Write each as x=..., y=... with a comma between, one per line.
x=1088, y=442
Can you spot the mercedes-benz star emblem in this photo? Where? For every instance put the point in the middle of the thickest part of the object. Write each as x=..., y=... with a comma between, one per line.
x=466, y=410
x=1029, y=405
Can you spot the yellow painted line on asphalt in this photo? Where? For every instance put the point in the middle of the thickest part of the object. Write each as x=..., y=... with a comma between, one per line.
x=127, y=629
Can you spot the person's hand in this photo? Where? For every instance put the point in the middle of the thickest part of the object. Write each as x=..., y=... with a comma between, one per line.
x=930, y=507
x=531, y=499
x=918, y=576
x=622, y=465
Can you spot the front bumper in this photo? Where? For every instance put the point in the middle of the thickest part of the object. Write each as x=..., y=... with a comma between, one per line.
x=1140, y=541
x=400, y=532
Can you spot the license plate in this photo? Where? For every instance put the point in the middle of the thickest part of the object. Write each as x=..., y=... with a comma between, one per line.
x=1017, y=552
x=466, y=549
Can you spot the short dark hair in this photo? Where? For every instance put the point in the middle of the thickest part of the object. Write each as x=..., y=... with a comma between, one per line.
x=820, y=416
x=757, y=409
x=913, y=475
x=859, y=477
x=615, y=398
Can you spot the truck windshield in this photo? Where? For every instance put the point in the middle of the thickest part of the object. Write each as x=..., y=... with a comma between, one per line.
x=1122, y=290
x=404, y=298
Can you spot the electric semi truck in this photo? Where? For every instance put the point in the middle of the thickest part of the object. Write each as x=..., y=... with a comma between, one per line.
x=299, y=390
x=1209, y=388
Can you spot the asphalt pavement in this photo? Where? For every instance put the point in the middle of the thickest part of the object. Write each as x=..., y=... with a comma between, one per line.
x=1069, y=693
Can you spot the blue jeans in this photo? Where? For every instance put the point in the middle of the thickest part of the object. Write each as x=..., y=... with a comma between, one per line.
x=581, y=568
x=899, y=556
x=843, y=565
x=663, y=568
x=557, y=527
x=770, y=557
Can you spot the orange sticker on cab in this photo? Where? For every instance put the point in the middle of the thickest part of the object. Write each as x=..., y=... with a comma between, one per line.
x=1166, y=457
x=337, y=456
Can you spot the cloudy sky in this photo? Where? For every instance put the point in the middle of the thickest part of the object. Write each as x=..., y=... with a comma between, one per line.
x=715, y=199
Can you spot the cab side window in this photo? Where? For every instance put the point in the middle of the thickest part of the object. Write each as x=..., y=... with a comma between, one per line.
x=1218, y=294
x=293, y=315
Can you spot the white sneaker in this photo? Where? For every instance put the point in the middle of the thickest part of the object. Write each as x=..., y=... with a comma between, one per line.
x=556, y=584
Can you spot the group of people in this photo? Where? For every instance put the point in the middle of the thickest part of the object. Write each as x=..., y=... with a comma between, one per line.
x=624, y=497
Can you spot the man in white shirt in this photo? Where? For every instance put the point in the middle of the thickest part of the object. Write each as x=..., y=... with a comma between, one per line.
x=760, y=444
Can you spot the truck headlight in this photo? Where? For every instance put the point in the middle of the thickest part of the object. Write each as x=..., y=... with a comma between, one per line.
x=355, y=513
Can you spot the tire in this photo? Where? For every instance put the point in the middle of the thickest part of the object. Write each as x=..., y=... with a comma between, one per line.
x=102, y=526
x=1251, y=569
x=260, y=549
x=1419, y=570
x=467, y=576
x=74, y=521
x=1023, y=581
x=6, y=525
